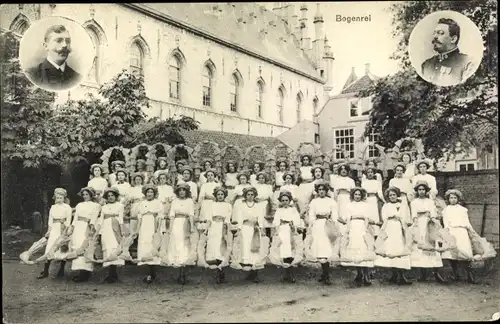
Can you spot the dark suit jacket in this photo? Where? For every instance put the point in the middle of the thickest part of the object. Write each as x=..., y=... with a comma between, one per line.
x=46, y=76
x=450, y=69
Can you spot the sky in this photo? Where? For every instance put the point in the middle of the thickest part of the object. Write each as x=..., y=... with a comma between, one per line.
x=357, y=43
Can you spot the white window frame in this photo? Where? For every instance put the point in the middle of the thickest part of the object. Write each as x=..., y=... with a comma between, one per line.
x=351, y=153
x=358, y=108
x=207, y=75
x=372, y=149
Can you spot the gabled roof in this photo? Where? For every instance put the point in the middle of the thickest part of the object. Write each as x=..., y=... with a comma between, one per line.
x=225, y=28
x=193, y=138
x=362, y=83
x=352, y=77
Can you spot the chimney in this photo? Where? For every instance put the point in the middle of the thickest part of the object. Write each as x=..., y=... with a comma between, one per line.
x=367, y=68
x=305, y=40
x=318, y=37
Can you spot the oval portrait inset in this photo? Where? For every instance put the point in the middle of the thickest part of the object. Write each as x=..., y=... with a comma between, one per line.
x=446, y=48
x=56, y=53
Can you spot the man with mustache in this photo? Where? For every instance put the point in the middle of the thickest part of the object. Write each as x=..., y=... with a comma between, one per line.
x=54, y=73
x=449, y=66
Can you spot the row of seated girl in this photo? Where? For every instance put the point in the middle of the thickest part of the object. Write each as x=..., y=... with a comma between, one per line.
x=236, y=235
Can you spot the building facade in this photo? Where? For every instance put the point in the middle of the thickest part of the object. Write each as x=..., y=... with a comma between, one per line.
x=235, y=68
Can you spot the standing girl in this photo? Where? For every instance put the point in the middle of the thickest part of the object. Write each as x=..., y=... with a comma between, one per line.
x=290, y=186
x=257, y=167
x=115, y=165
x=410, y=169
x=207, y=165
x=278, y=177
x=250, y=244
x=151, y=217
x=287, y=247
x=342, y=192
x=264, y=200
x=97, y=180
x=358, y=243
x=231, y=179
x=206, y=197
x=371, y=164
x=165, y=190
x=422, y=175
x=110, y=225
x=238, y=197
x=394, y=239
x=373, y=188
x=404, y=185
x=456, y=221
x=161, y=167
x=215, y=254
x=187, y=178
x=59, y=219
x=423, y=211
x=86, y=214
x=333, y=175
x=306, y=186
x=135, y=196
x=141, y=169
x=183, y=239
x=122, y=184
x=321, y=243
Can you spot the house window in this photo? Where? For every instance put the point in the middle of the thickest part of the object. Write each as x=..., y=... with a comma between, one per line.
x=93, y=75
x=259, y=97
x=366, y=106
x=354, y=105
x=344, y=138
x=234, y=96
x=316, y=138
x=174, y=70
x=466, y=166
x=373, y=139
x=207, y=87
x=136, y=58
x=298, y=108
x=280, y=100
x=322, y=73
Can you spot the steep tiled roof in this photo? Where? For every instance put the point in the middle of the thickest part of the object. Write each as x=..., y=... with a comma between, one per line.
x=360, y=84
x=193, y=138
x=225, y=27
x=352, y=77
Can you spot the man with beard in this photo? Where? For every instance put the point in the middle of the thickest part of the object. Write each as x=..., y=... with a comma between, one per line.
x=54, y=72
x=449, y=66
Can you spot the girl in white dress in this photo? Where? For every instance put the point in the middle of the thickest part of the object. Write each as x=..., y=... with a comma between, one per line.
x=140, y=168
x=121, y=183
x=183, y=237
x=322, y=239
x=404, y=185
x=215, y=244
x=179, y=165
x=135, y=196
x=358, y=244
x=422, y=167
x=60, y=215
x=165, y=190
x=373, y=189
x=287, y=247
x=256, y=168
x=456, y=221
x=264, y=201
x=423, y=211
x=250, y=243
x=278, y=178
x=114, y=166
x=334, y=168
x=373, y=165
x=395, y=239
x=238, y=191
x=187, y=178
x=342, y=192
x=110, y=226
x=97, y=180
x=410, y=169
x=290, y=186
x=161, y=167
x=207, y=165
x=206, y=197
x=305, y=179
x=83, y=227
x=230, y=179
x=151, y=217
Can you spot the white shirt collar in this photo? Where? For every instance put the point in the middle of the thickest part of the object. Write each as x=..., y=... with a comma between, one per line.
x=59, y=67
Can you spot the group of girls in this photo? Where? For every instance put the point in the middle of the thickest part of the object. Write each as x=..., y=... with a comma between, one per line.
x=248, y=220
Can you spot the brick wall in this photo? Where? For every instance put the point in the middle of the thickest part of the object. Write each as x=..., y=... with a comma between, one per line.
x=480, y=189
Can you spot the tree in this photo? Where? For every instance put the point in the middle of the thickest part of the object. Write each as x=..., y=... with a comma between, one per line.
x=405, y=105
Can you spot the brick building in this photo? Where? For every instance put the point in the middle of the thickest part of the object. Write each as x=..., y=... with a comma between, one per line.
x=234, y=67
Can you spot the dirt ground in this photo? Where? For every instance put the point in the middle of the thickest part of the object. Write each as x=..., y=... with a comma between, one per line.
x=50, y=300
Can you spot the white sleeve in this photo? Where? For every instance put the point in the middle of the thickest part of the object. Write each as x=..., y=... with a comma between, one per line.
x=121, y=211
x=312, y=212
